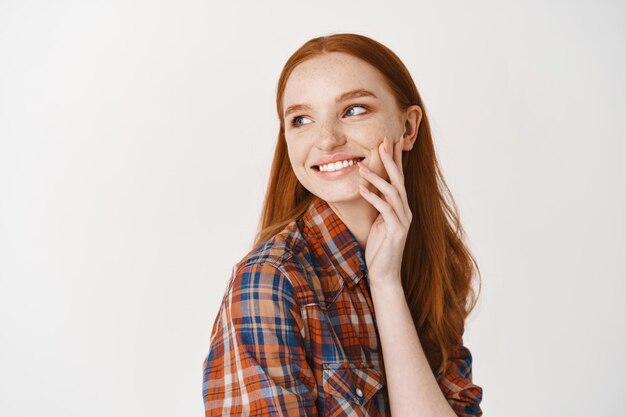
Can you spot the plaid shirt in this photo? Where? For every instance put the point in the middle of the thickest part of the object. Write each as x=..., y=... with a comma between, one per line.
x=296, y=332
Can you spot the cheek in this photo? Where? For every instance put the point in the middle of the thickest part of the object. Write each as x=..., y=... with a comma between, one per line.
x=292, y=152
x=297, y=159
x=376, y=162
x=372, y=145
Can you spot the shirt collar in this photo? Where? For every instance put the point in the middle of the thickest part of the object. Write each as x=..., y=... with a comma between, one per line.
x=334, y=245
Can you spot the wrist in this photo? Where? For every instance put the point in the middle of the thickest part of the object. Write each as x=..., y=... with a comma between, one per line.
x=386, y=283
x=388, y=298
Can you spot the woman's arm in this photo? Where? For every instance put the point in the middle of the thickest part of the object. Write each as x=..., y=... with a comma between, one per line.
x=413, y=389
x=257, y=365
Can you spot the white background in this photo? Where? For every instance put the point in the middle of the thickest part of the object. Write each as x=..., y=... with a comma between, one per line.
x=135, y=145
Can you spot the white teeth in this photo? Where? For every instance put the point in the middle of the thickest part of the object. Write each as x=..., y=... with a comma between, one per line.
x=334, y=166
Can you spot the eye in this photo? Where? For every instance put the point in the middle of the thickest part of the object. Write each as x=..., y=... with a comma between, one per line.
x=354, y=106
x=294, y=120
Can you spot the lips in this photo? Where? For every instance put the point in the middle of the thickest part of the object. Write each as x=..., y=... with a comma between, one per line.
x=336, y=157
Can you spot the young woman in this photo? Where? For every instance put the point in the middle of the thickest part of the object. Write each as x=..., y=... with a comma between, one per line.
x=354, y=296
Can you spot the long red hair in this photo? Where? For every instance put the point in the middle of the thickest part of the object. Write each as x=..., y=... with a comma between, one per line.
x=437, y=267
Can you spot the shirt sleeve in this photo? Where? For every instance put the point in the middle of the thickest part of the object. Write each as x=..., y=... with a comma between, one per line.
x=256, y=365
x=457, y=386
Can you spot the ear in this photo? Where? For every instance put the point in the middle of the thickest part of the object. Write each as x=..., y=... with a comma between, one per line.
x=412, y=117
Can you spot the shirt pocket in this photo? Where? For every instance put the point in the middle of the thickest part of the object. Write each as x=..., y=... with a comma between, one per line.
x=349, y=388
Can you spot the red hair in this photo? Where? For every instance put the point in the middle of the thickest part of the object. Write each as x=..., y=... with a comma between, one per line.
x=437, y=267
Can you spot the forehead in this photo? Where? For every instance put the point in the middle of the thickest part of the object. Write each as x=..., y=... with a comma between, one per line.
x=321, y=79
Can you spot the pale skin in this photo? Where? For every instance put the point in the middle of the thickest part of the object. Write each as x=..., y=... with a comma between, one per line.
x=371, y=201
x=413, y=389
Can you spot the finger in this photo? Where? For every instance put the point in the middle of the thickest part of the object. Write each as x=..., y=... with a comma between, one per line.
x=395, y=173
x=388, y=161
x=389, y=191
x=398, y=156
x=388, y=213
x=397, y=153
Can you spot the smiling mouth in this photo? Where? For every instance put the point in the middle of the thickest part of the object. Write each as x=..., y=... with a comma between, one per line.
x=335, y=167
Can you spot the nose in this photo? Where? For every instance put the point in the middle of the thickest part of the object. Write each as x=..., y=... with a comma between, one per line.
x=330, y=137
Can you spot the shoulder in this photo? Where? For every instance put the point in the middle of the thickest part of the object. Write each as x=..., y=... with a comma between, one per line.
x=276, y=251
x=274, y=265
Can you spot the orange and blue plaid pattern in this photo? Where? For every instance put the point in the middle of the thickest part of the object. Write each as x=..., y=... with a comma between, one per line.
x=296, y=332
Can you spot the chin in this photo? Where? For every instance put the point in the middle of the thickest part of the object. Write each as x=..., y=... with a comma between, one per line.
x=339, y=195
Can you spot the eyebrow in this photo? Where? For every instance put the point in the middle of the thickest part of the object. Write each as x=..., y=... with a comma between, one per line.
x=359, y=92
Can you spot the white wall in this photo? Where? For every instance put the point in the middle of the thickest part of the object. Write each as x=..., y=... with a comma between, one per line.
x=135, y=143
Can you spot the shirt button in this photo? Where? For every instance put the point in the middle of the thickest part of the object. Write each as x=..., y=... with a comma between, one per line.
x=359, y=392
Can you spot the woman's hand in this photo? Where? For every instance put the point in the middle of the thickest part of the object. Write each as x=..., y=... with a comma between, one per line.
x=385, y=243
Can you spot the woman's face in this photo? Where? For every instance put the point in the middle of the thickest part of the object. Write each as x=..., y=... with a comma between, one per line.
x=338, y=107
